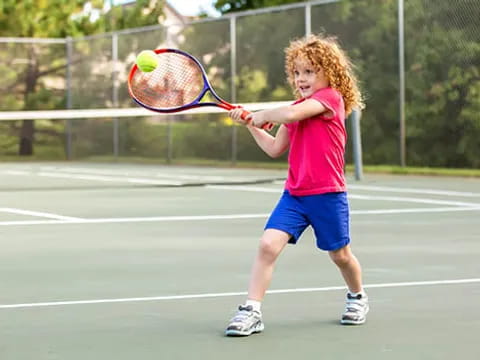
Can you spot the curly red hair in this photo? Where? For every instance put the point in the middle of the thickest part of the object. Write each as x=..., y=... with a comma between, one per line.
x=324, y=52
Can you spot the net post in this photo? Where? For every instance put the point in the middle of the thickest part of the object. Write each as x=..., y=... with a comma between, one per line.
x=68, y=86
x=401, y=73
x=308, y=18
x=357, y=144
x=115, y=93
x=169, y=141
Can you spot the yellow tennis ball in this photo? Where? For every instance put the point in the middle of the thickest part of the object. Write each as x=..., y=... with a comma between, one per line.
x=146, y=61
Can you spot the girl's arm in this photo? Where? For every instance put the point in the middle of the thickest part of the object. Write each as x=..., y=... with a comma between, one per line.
x=273, y=146
x=288, y=114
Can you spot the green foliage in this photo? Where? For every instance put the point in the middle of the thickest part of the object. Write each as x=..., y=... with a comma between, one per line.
x=33, y=73
x=261, y=58
x=443, y=78
x=41, y=18
x=137, y=14
x=143, y=138
x=442, y=73
x=227, y=6
x=62, y=18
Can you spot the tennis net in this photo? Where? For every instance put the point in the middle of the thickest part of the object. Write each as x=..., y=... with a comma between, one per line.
x=199, y=136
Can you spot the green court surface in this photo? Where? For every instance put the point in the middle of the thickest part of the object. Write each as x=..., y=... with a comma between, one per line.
x=150, y=262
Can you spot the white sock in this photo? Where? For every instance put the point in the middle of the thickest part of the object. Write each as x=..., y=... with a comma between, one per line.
x=358, y=293
x=256, y=305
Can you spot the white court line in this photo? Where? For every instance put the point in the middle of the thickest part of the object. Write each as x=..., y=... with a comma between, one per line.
x=90, y=171
x=104, y=178
x=125, y=177
x=39, y=214
x=412, y=211
x=352, y=196
x=239, y=293
x=414, y=200
x=109, y=178
x=405, y=190
x=219, y=217
x=108, y=175
x=134, y=219
x=414, y=190
x=244, y=188
x=17, y=172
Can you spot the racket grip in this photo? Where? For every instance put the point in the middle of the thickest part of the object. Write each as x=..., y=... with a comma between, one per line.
x=245, y=114
x=267, y=126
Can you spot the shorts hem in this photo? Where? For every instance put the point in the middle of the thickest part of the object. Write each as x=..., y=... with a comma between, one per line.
x=292, y=240
x=335, y=246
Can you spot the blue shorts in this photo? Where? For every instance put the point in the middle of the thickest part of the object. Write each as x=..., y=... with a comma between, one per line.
x=327, y=213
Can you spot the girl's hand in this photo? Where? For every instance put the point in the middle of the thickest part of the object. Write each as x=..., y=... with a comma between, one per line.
x=258, y=119
x=236, y=115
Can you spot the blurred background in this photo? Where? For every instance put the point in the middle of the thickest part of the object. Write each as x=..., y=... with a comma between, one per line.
x=418, y=62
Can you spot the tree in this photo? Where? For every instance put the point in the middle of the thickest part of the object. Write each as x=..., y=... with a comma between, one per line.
x=227, y=6
x=29, y=68
x=443, y=83
x=442, y=72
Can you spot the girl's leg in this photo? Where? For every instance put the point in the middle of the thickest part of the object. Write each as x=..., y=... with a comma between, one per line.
x=248, y=319
x=356, y=307
x=271, y=244
x=349, y=267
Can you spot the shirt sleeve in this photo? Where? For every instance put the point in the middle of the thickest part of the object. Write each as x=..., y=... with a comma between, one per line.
x=331, y=99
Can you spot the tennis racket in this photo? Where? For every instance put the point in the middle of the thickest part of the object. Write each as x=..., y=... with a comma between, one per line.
x=178, y=83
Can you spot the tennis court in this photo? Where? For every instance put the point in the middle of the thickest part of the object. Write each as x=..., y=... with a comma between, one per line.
x=116, y=261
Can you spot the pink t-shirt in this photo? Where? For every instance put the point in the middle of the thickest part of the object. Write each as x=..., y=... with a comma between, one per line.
x=317, y=147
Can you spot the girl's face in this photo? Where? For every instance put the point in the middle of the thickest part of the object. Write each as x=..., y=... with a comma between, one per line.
x=307, y=81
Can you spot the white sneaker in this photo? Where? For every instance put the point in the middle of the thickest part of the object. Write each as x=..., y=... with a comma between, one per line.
x=245, y=322
x=356, y=309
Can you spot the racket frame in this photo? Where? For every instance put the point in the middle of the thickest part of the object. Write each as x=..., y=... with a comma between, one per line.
x=207, y=87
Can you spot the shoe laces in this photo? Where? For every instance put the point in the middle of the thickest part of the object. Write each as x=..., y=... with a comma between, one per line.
x=354, y=303
x=244, y=312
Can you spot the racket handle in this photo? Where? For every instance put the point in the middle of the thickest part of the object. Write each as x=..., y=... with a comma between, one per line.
x=267, y=126
x=245, y=114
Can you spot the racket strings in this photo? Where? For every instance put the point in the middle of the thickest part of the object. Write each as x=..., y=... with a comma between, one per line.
x=176, y=81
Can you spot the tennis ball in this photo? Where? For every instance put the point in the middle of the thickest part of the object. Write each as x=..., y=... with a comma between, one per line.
x=146, y=61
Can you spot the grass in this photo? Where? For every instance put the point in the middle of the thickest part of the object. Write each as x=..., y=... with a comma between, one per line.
x=411, y=170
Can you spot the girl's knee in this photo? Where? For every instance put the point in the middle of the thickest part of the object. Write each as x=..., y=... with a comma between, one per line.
x=342, y=256
x=271, y=244
x=268, y=248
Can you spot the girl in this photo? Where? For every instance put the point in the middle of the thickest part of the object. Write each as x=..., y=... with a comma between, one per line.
x=313, y=130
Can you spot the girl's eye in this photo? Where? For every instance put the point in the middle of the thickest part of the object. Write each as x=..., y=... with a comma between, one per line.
x=296, y=73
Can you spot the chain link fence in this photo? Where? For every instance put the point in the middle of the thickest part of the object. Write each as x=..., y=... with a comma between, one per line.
x=243, y=55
